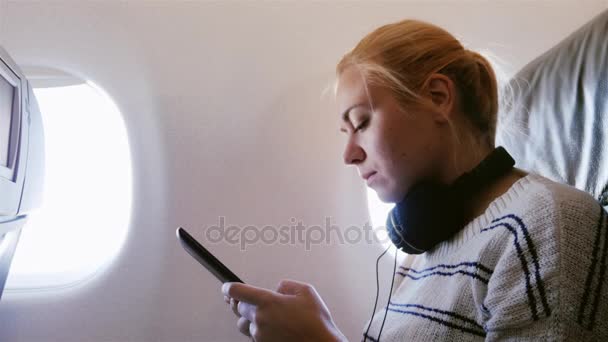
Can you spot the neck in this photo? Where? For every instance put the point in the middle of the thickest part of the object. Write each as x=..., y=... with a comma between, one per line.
x=480, y=203
x=464, y=158
x=467, y=161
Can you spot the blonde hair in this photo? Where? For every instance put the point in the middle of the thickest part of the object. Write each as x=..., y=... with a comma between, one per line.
x=403, y=55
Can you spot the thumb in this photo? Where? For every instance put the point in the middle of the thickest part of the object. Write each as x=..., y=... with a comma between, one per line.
x=246, y=293
x=293, y=287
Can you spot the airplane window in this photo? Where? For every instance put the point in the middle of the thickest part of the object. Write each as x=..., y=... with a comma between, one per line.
x=378, y=212
x=84, y=218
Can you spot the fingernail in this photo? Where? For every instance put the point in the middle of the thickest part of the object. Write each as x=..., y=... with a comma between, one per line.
x=225, y=288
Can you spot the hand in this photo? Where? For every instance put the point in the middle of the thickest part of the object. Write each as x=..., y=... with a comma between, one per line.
x=295, y=312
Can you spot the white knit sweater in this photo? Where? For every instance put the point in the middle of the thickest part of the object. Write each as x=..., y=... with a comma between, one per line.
x=532, y=267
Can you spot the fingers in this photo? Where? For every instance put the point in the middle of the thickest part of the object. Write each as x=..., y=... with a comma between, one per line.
x=246, y=310
x=242, y=309
x=293, y=287
x=253, y=332
x=234, y=306
x=244, y=300
x=243, y=325
x=247, y=293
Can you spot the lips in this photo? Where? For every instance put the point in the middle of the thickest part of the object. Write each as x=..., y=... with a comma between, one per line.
x=368, y=175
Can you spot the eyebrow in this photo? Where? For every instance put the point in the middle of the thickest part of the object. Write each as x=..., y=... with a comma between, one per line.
x=345, y=114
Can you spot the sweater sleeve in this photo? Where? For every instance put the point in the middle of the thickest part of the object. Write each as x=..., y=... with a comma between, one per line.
x=550, y=280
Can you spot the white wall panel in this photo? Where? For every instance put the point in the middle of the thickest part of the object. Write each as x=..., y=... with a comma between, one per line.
x=224, y=109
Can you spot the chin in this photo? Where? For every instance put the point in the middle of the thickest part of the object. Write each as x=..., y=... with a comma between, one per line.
x=388, y=197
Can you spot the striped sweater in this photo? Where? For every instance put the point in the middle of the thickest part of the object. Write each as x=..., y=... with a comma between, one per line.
x=531, y=267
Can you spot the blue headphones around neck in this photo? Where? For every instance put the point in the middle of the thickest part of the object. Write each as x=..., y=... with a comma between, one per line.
x=431, y=212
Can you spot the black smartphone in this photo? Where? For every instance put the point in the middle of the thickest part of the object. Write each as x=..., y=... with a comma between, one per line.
x=202, y=255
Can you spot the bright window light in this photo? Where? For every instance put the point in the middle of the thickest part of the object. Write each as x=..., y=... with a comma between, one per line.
x=378, y=212
x=85, y=215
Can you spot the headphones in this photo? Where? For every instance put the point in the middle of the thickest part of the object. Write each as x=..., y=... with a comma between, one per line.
x=431, y=212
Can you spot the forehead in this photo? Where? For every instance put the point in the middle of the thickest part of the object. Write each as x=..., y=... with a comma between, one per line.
x=350, y=91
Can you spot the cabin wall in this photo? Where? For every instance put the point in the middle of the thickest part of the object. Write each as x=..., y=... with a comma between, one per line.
x=227, y=117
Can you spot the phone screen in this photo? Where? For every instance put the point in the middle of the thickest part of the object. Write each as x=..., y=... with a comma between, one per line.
x=202, y=255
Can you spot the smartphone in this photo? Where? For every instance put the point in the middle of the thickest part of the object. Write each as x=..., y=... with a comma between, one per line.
x=202, y=255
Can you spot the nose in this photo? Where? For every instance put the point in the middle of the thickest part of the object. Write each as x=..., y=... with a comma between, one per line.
x=353, y=153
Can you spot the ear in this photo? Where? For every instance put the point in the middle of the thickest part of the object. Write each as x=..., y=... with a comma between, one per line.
x=441, y=92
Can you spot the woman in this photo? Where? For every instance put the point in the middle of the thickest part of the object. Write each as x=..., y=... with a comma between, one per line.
x=529, y=261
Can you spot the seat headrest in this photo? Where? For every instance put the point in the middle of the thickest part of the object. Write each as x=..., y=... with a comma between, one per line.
x=557, y=123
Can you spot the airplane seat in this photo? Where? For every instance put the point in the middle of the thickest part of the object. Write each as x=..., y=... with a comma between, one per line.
x=21, y=158
x=557, y=121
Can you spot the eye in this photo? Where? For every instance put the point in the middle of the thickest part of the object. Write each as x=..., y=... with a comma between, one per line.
x=362, y=125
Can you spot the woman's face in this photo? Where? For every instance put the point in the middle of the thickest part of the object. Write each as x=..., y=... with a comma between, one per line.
x=398, y=147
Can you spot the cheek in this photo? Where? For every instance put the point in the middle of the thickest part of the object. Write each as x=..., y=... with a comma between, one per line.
x=407, y=154
x=391, y=155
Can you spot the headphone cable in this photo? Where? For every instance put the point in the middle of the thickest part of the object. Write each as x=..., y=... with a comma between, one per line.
x=365, y=336
x=389, y=295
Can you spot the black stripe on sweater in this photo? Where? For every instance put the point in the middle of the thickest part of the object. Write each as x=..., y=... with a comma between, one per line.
x=464, y=263
x=421, y=274
x=446, y=274
x=524, y=266
x=591, y=272
x=442, y=322
x=367, y=337
x=532, y=249
x=444, y=312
